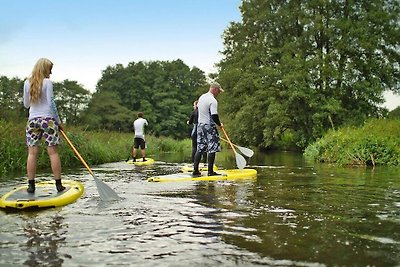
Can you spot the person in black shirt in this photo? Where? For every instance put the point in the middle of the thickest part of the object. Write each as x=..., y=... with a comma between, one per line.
x=193, y=120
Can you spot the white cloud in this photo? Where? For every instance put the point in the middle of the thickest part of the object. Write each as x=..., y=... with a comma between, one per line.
x=392, y=100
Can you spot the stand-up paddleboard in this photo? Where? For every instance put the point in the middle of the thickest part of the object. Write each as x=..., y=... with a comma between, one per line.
x=45, y=195
x=202, y=167
x=140, y=162
x=187, y=176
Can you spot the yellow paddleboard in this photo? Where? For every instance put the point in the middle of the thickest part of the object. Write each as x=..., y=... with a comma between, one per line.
x=140, y=162
x=202, y=167
x=187, y=176
x=45, y=196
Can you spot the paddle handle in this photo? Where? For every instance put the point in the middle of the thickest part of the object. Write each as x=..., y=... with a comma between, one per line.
x=76, y=151
x=229, y=141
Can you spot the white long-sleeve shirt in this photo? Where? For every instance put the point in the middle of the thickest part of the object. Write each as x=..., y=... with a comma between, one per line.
x=46, y=106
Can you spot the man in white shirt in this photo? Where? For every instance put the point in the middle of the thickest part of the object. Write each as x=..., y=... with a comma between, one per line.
x=207, y=134
x=139, y=140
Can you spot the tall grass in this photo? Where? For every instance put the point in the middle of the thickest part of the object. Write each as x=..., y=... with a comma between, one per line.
x=376, y=143
x=12, y=147
x=95, y=147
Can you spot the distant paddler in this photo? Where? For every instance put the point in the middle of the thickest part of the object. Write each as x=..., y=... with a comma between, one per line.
x=139, y=140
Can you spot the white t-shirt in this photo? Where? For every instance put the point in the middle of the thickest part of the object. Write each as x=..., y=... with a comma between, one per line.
x=138, y=126
x=45, y=106
x=207, y=106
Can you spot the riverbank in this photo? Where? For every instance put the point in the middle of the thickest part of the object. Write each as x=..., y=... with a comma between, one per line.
x=96, y=147
x=375, y=143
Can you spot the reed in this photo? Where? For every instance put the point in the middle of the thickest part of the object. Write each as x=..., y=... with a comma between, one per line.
x=12, y=147
x=96, y=147
x=376, y=143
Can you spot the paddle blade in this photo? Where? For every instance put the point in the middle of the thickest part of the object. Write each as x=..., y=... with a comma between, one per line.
x=106, y=193
x=246, y=151
x=240, y=161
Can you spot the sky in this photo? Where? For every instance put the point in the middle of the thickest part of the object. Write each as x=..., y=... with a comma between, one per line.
x=83, y=37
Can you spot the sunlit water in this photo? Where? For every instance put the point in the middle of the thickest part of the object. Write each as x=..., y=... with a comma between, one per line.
x=293, y=214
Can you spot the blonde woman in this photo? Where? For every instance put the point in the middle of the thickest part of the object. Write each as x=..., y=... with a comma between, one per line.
x=43, y=121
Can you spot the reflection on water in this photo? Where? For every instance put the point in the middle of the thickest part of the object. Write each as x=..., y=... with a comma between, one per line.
x=294, y=214
x=43, y=239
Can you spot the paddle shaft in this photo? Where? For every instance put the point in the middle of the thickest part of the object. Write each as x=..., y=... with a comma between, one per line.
x=76, y=152
x=246, y=151
x=229, y=141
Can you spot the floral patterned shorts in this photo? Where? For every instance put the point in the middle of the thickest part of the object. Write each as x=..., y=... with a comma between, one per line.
x=46, y=127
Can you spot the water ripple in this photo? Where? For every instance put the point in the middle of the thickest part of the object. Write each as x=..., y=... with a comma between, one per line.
x=289, y=216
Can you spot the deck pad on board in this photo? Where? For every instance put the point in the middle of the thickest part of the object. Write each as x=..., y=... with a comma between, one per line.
x=140, y=162
x=45, y=195
x=202, y=167
x=187, y=176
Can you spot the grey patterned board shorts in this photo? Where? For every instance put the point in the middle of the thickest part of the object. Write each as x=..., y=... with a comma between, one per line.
x=207, y=138
x=46, y=127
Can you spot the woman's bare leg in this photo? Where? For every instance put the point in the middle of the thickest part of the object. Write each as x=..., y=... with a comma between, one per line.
x=31, y=162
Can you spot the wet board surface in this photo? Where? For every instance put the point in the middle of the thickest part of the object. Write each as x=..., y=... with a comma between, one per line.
x=202, y=167
x=45, y=195
x=140, y=162
x=187, y=176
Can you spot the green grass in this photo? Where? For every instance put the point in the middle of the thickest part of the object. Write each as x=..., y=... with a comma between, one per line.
x=95, y=147
x=376, y=143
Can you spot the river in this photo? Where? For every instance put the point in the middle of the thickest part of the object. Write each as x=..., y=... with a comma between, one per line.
x=294, y=213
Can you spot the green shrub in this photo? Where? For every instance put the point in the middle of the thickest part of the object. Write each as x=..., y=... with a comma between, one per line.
x=376, y=143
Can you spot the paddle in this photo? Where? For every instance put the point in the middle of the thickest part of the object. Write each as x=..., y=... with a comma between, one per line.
x=245, y=151
x=240, y=160
x=106, y=193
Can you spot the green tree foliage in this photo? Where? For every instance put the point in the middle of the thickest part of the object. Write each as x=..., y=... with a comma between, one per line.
x=11, y=107
x=303, y=67
x=71, y=99
x=395, y=113
x=163, y=90
x=105, y=112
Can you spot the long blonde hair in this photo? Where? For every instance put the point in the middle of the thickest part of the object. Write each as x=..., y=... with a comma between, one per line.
x=41, y=70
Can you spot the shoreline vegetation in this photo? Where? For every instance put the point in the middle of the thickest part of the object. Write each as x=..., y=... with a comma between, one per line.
x=96, y=147
x=375, y=143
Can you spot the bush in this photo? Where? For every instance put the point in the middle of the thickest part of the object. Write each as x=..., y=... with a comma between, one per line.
x=376, y=143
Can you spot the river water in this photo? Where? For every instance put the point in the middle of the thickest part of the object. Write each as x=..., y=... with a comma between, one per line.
x=293, y=214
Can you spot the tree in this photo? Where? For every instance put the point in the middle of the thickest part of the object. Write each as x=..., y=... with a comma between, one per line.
x=71, y=99
x=106, y=113
x=11, y=106
x=306, y=66
x=395, y=113
x=163, y=90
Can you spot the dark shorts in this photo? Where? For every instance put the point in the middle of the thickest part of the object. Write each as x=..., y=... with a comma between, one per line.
x=37, y=128
x=139, y=142
x=207, y=138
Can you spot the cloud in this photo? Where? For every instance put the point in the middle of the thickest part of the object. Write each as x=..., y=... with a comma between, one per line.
x=392, y=100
